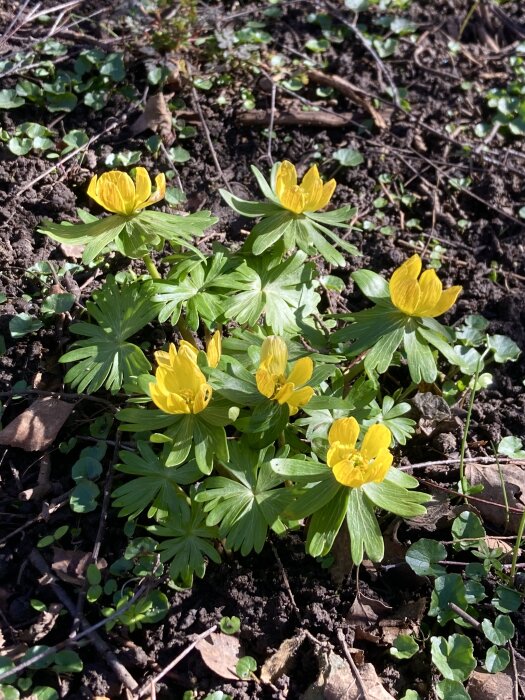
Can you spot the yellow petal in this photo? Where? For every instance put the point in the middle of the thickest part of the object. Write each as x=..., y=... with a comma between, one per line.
x=326, y=194
x=189, y=350
x=446, y=301
x=214, y=349
x=115, y=187
x=202, y=398
x=405, y=294
x=430, y=287
x=274, y=355
x=265, y=382
x=286, y=178
x=345, y=431
x=380, y=466
x=300, y=397
x=312, y=187
x=177, y=405
x=92, y=190
x=158, y=397
x=410, y=268
x=338, y=452
x=378, y=437
x=162, y=358
x=142, y=186
x=301, y=371
x=293, y=200
x=284, y=393
x=160, y=183
x=348, y=475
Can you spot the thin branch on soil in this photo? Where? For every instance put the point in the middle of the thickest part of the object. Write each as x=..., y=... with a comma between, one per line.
x=455, y=460
x=146, y=687
x=47, y=511
x=465, y=616
x=49, y=579
x=355, y=670
x=286, y=582
x=515, y=680
x=198, y=109
x=115, y=123
x=291, y=117
x=477, y=499
x=368, y=46
x=56, y=394
x=100, y=532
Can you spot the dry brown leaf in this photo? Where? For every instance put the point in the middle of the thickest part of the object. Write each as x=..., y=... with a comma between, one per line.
x=72, y=250
x=70, y=565
x=156, y=117
x=336, y=681
x=405, y=620
x=36, y=428
x=220, y=652
x=281, y=661
x=364, y=615
x=492, y=503
x=43, y=626
x=490, y=686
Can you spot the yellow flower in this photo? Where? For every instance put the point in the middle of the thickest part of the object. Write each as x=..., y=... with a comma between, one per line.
x=116, y=191
x=310, y=195
x=213, y=351
x=355, y=467
x=181, y=386
x=420, y=297
x=271, y=377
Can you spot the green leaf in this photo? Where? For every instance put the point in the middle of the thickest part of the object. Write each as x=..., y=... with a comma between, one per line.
x=58, y=303
x=43, y=692
x=451, y=690
x=448, y=588
x=496, y=659
x=505, y=349
x=268, y=231
x=61, y=102
x=506, y=599
x=396, y=499
x=105, y=357
x=380, y=356
x=511, y=447
x=453, y=657
x=8, y=692
x=326, y=523
x=97, y=234
x=501, y=631
x=67, y=661
x=83, y=498
x=372, y=285
x=156, y=486
x=245, y=502
x=10, y=100
x=22, y=324
x=86, y=468
x=20, y=146
x=404, y=647
x=421, y=363
x=248, y=208
x=423, y=557
x=348, y=157
x=364, y=530
x=113, y=67
x=188, y=544
x=245, y=667
x=467, y=530
x=230, y=625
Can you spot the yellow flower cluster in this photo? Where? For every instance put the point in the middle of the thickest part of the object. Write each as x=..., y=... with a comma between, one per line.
x=310, y=195
x=180, y=385
x=355, y=467
x=116, y=191
x=423, y=297
x=274, y=383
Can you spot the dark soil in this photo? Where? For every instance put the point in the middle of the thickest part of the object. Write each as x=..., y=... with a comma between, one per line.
x=420, y=154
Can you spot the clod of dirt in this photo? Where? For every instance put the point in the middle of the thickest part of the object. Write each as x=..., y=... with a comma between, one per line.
x=490, y=686
x=220, y=652
x=281, y=661
x=37, y=427
x=492, y=506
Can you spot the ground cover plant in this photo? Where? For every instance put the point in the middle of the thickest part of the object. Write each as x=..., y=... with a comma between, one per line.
x=262, y=379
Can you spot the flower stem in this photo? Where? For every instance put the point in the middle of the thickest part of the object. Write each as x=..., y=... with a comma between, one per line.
x=151, y=268
x=516, y=551
x=181, y=325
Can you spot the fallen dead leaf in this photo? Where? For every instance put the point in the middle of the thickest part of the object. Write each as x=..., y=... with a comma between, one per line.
x=36, y=428
x=490, y=686
x=156, y=117
x=43, y=626
x=492, y=507
x=221, y=652
x=336, y=681
x=281, y=661
x=71, y=250
x=406, y=620
x=70, y=565
x=363, y=617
